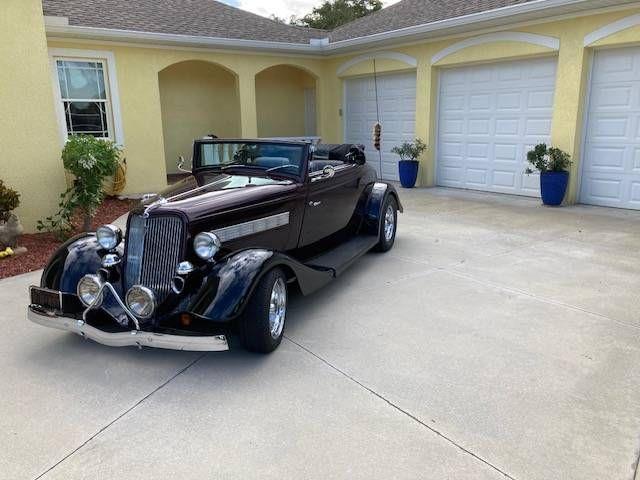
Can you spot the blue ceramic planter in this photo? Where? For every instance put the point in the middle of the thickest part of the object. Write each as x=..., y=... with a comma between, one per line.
x=553, y=186
x=408, y=170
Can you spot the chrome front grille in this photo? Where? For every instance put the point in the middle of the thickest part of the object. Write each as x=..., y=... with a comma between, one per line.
x=154, y=249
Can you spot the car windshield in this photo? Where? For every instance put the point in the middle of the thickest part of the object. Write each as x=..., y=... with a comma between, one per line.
x=270, y=157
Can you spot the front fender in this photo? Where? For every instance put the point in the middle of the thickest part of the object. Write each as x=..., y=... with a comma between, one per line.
x=228, y=288
x=77, y=257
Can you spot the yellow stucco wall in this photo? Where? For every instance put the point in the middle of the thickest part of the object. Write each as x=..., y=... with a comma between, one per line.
x=280, y=101
x=29, y=141
x=138, y=84
x=24, y=61
x=197, y=98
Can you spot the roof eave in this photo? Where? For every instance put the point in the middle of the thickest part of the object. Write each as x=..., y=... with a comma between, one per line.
x=132, y=36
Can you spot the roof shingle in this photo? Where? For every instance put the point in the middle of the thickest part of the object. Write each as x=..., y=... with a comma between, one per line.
x=207, y=18
x=410, y=13
x=210, y=18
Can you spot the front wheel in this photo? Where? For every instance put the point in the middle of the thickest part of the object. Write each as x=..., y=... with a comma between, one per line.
x=262, y=324
x=388, y=225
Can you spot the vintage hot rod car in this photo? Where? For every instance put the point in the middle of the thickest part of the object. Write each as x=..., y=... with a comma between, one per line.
x=214, y=256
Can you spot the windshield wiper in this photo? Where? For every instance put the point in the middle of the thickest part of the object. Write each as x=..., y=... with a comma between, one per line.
x=238, y=165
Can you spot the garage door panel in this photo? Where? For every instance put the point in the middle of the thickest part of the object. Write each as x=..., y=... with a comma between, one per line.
x=611, y=167
x=497, y=111
x=505, y=152
x=540, y=99
x=509, y=101
x=635, y=194
x=397, y=101
x=531, y=183
x=537, y=127
x=616, y=98
x=507, y=126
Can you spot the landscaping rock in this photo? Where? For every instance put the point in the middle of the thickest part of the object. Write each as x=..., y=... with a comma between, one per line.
x=9, y=233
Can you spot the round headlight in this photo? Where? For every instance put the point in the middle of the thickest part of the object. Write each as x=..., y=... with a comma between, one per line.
x=206, y=245
x=109, y=236
x=141, y=301
x=90, y=290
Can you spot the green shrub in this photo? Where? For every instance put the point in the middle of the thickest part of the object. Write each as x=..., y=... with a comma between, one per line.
x=410, y=150
x=90, y=160
x=548, y=159
x=9, y=201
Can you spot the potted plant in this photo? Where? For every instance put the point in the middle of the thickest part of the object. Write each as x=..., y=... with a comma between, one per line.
x=10, y=227
x=409, y=152
x=553, y=165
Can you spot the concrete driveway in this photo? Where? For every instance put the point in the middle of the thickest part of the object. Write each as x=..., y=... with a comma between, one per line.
x=499, y=339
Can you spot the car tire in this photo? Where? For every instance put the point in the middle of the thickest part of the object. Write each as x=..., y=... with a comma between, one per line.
x=261, y=325
x=388, y=225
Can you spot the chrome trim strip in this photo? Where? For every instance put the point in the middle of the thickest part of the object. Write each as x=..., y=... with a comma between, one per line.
x=134, y=338
x=259, y=225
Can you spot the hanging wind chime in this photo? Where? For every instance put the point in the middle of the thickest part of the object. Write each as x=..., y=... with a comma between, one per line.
x=377, y=128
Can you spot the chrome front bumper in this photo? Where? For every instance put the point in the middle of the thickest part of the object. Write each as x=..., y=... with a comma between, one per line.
x=134, y=338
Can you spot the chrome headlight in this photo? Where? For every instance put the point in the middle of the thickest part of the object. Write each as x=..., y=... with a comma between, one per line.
x=141, y=301
x=206, y=245
x=109, y=236
x=89, y=290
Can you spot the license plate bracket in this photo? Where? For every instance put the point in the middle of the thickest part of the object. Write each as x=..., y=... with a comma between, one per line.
x=45, y=298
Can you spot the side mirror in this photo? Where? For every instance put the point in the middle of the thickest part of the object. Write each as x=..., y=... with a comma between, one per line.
x=356, y=156
x=181, y=165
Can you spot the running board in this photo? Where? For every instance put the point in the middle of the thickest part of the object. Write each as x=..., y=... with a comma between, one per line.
x=341, y=257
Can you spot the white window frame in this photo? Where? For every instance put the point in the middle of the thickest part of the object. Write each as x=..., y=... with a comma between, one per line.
x=111, y=81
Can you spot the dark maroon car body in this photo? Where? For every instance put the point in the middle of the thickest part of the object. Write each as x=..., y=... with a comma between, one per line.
x=311, y=222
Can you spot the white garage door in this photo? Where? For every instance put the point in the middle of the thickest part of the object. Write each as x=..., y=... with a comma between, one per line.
x=489, y=117
x=397, y=99
x=611, y=170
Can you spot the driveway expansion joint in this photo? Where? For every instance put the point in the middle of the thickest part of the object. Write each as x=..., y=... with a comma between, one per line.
x=122, y=415
x=533, y=296
x=401, y=410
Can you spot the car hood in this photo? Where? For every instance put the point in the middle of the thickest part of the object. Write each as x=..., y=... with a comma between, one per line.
x=204, y=195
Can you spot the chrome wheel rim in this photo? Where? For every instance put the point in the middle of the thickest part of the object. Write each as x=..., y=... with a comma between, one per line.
x=389, y=223
x=277, y=308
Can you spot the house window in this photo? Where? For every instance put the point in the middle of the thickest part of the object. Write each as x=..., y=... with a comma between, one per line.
x=84, y=93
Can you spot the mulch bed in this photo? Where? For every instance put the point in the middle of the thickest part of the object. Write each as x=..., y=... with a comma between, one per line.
x=41, y=246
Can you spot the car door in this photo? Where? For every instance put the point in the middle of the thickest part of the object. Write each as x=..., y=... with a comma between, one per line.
x=333, y=194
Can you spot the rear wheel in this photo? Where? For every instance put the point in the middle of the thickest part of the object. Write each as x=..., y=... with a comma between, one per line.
x=388, y=225
x=262, y=324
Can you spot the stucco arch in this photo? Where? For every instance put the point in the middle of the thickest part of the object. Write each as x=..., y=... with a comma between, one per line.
x=197, y=98
x=286, y=101
x=292, y=65
x=396, y=56
x=171, y=64
x=548, y=42
x=611, y=28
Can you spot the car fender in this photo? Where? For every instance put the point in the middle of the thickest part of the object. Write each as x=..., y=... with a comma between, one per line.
x=228, y=288
x=377, y=195
x=74, y=259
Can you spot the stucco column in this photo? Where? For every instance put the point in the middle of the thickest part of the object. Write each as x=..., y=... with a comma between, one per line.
x=29, y=136
x=425, y=118
x=568, y=110
x=248, y=111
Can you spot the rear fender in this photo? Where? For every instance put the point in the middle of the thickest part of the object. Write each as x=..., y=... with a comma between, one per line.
x=373, y=210
x=228, y=288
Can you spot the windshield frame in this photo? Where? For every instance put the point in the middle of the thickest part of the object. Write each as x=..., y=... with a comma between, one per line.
x=254, y=170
